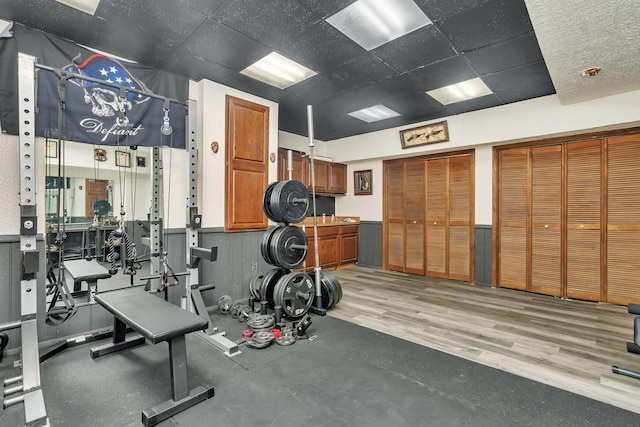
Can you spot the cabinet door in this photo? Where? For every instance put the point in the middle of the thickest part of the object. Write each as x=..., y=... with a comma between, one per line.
x=546, y=219
x=338, y=178
x=348, y=248
x=584, y=189
x=437, y=218
x=414, y=220
x=321, y=169
x=394, y=212
x=513, y=206
x=297, y=161
x=460, y=217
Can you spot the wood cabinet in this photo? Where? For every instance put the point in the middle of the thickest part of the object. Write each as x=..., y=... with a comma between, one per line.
x=337, y=246
x=330, y=178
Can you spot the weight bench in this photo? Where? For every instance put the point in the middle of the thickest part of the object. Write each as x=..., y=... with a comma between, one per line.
x=82, y=270
x=632, y=347
x=155, y=320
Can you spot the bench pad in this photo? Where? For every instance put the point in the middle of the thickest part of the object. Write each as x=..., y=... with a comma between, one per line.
x=81, y=269
x=154, y=318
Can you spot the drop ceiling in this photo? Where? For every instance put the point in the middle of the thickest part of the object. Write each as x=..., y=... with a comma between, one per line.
x=491, y=39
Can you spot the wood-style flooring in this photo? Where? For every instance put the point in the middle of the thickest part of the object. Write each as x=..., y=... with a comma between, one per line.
x=568, y=344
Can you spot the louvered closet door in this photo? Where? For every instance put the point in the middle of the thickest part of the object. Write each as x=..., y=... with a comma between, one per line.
x=415, y=211
x=623, y=220
x=460, y=218
x=546, y=220
x=513, y=218
x=584, y=192
x=395, y=214
x=437, y=218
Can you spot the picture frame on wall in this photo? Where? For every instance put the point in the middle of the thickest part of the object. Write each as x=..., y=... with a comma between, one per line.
x=362, y=182
x=423, y=135
x=123, y=159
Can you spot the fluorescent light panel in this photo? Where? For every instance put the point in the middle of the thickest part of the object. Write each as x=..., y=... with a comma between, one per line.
x=374, y=114
x=86, y=6
x=277, y=70
x=463, y=91
x=372, y=23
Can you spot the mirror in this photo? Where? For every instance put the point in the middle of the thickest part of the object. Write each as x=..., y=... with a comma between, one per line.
x=87, y=188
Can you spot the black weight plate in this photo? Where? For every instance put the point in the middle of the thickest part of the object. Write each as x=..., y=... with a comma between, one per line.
x=295, y=293
x=254, y=286
x=290, y=201
x=265, y=246
x=337, y=289
x=268, y=283
x=326, y=293
x=266, y=203
x=288, y=246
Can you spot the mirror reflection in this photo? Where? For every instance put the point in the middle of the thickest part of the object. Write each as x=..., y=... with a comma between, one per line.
x=97, y=205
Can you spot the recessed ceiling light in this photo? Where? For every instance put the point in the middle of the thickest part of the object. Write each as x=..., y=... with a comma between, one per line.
x=462, y=91
x=372, y=23
x=279, y=71
x=86, y=6
x=374, y=114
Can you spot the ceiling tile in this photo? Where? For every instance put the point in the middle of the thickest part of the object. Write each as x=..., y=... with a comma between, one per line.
x=473, y=104
x=321, y=48
x=316, y=89
x=504, y=55
x=443, y=73
x=184, y=63
x=273, y=23
x=417, y=102
x=363, y=70
x=220, y=44
x=326, y=8
x=416, y=49
x=253, y=86
x=526, y=92
x=439, y=9
x=527, y=75
x=486, y=24
x=207, y=7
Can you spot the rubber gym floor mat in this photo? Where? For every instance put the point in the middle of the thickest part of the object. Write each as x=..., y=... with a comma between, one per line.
x=348, y=376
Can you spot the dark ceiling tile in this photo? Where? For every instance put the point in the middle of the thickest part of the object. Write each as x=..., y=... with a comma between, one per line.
x=326, y=8
x=208, y=7
x=416, y=49
x=184, y=63
x=417, y=102
x=417, y=116
x=474, y=104
x=504, y=55
x=527, y=75
x=439, y=9
x=388, y=90
x=486, y=24
x=443, y=73
x=526, y=92
x=273, y=23
x=218, y=43
x=363, y=70
x=168, y=21
x=252, y=86
x=316, y=89
x=321, y=48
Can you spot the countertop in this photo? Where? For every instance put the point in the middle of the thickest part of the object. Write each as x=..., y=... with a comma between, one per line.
x=339, y=220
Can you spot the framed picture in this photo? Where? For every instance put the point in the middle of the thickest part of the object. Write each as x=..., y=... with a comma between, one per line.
x=51, y=149
x=362, y=183
x=123, y=159
x=423, y=135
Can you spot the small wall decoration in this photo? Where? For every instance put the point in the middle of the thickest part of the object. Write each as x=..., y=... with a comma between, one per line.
x=141, y=161
x=423, y=135
x=362, y=183
x=123, y=159
x=100, y=154
x=51, y=149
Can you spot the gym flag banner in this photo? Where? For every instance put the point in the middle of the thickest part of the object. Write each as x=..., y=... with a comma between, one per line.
x=93, y=111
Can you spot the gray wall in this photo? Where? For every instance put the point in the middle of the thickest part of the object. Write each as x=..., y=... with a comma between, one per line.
x=483, y=248
x=370, y=244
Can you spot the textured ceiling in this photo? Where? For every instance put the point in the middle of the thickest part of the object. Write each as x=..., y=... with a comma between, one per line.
x=578, y=34
x=215, y=39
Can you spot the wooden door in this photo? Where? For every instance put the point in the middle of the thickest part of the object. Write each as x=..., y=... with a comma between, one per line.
x=94, y=190
x=584, y=205
x=414, y=218
x=460, y=218
x=437, y=245
x=247, y=148
x=513, y=213
x=623, y=220
x=546, y=220
x=395, y=214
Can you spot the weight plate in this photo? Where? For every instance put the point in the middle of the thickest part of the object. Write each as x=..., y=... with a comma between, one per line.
x=268, y=283
x=286, y=340
x=295, y=293
x=326, y=293
x=235, y=307
x=289, y=201
x=243, y=313
x=224, y=304
x=266, y=203
x=254, y=286
x=265, y=246
x=288, y=246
